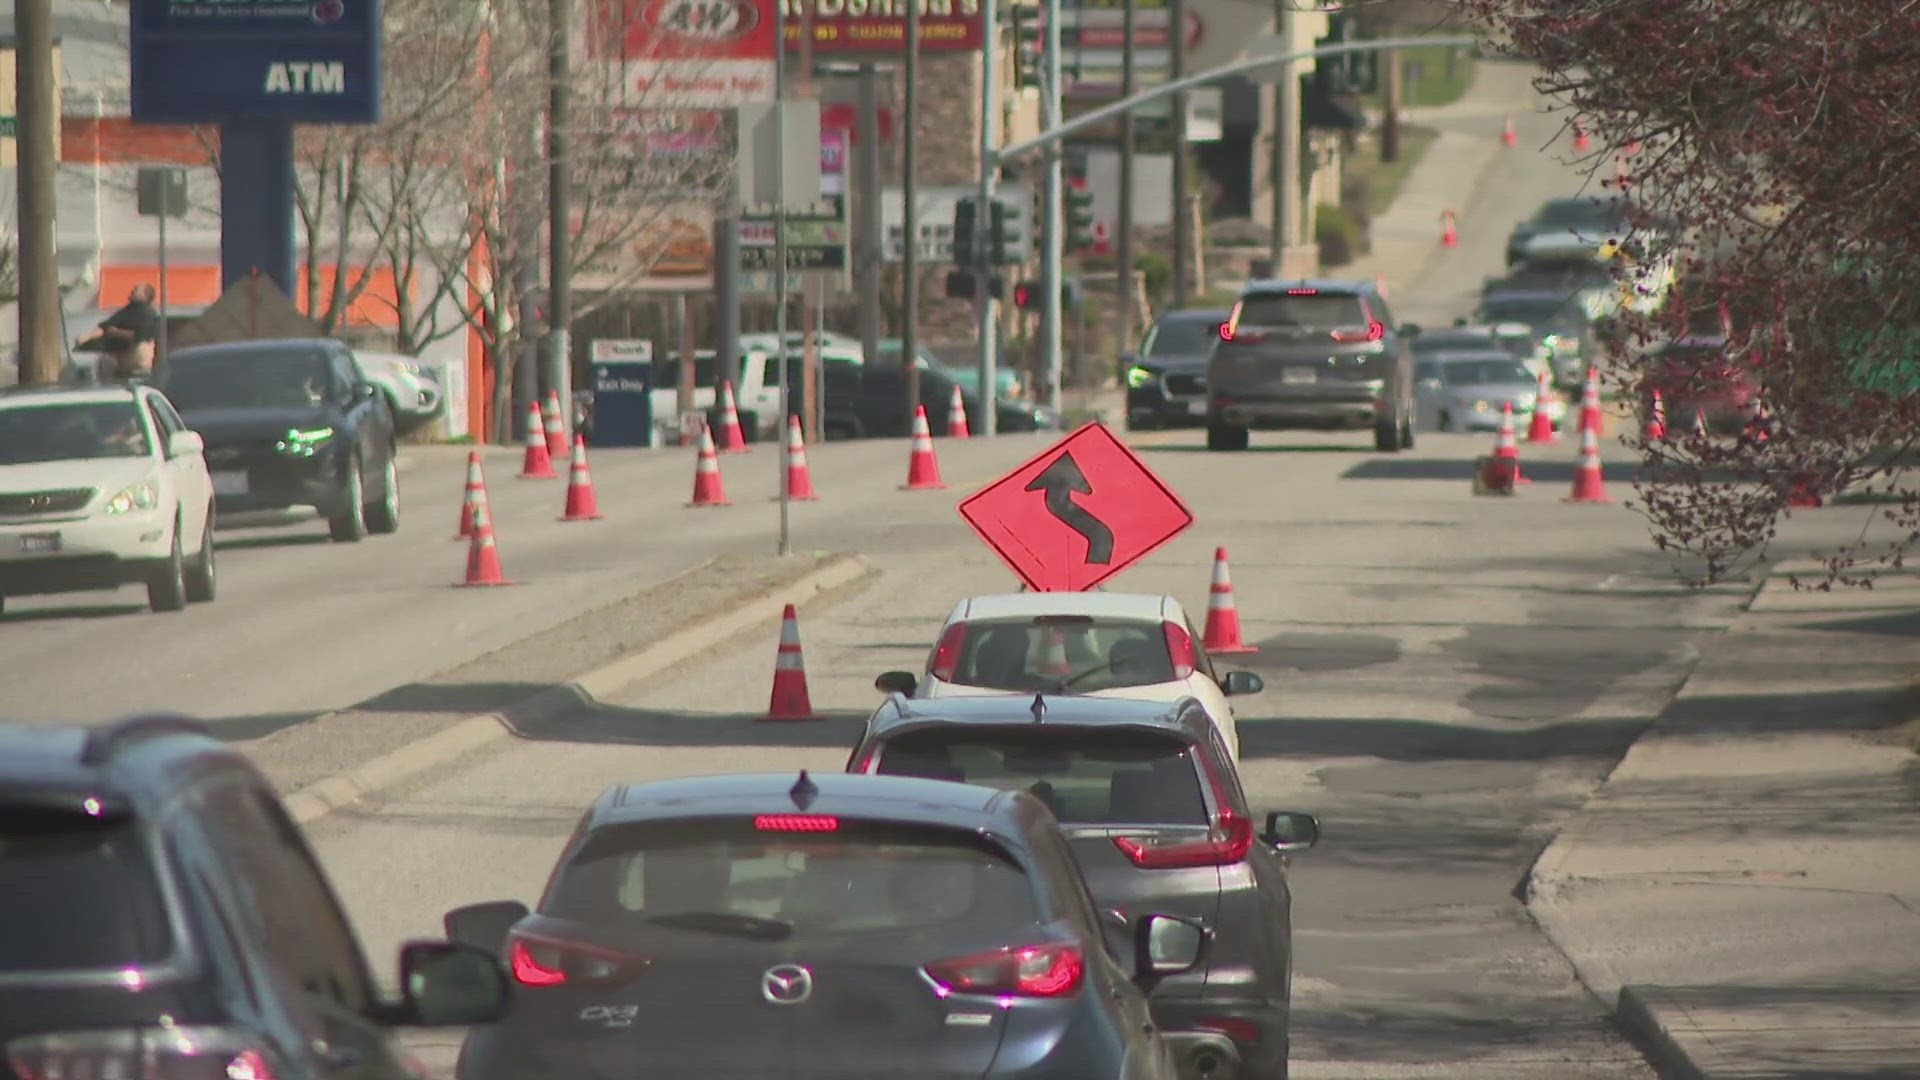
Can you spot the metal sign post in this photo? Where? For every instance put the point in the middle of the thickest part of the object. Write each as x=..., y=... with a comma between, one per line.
x=161, y=192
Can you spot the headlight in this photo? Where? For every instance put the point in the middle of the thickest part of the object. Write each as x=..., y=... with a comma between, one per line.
x=1139, y=376
x=304, y=443
x=1482, y=406
x=140, y=496
x=411, y=368
x=1525, y=401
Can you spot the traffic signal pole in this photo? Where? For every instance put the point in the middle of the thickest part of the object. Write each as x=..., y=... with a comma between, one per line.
x=988, y=421
x=1053, y=227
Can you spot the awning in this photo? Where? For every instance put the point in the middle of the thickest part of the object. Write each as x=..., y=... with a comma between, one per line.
x=198, y=285
x=1321, y=110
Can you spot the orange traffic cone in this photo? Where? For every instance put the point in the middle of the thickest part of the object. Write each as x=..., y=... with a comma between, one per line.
x=1581, y=140
x=1223, y=618
x=581, y=504
x=1759, y=425
x=1804, y=493
x=1656, y=430
x=1504, y=446
x=957, y=416
x=1633, y=148
x=923, y=469
x=556, y=425
x=799, y=480
x=1449, y=236
x=1540, y=428
x=538, y=464
x=1508, y=136
x=1589, y=485
x=483, y=559
x=732, y=439
x=790, y=700
x=476, y=495
x=1700, y=429
x=707, y=489
x=1590, y=418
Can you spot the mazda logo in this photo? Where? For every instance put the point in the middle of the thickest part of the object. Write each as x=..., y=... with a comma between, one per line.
x=787, y=984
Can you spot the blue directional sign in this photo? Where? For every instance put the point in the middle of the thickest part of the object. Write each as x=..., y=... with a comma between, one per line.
x=207, y=61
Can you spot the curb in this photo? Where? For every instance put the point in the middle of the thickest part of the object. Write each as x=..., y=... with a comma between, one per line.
x=323, y=797
x=1638, y=1018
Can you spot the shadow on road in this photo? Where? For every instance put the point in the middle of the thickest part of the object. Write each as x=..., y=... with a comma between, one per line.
x=1393, y=739
x=87, y=611
x=1299, y=448
x=230, y=542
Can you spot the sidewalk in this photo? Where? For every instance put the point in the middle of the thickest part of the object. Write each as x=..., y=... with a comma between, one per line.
x=1746, y=885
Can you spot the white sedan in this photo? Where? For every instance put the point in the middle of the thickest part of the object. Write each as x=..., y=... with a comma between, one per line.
x=1096, y=644
x=103, y=487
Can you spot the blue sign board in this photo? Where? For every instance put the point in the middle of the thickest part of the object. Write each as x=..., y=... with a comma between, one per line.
x=208, y=61
x=623, y=403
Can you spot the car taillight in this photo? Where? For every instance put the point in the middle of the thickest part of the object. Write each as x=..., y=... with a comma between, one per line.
x=164, y=1053
x=810, y=823
x=946, y=655
x=864, y=762
x=1180, y=650
x=1244, y=1032
x=1225, y=844
x=1042, y=971
x=1373, y=331
x=536, y=960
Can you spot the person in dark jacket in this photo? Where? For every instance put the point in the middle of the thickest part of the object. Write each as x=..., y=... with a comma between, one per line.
x=128, y=336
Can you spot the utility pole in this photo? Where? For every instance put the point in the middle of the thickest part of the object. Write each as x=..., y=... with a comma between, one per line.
x=809, y=288
x=1182, y=223
x=983, y=220
x=1286, y=143
x=1123, y=224
x=869, y=252
x=910, y=218
x=559, y=205
x=526, y=367
x=780, y=277
x=36, y=257
x=1390, y=108
x=1054, y=227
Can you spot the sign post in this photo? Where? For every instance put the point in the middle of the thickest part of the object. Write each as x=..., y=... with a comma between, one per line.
x=1077, y=513
x=162, y=194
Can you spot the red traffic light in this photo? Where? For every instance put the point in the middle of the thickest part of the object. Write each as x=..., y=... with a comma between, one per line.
x=1024, y=295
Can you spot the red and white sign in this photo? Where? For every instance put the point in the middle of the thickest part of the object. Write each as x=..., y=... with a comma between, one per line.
x=678, y=54
x=833, y=161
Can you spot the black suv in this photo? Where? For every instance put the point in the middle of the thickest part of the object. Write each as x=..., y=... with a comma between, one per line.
x=1311, y=354
x=291, y=422
x=1158, y=821
x=162, y=916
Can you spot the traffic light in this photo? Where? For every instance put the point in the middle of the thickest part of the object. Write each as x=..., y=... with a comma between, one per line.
x=997, y=238
x=1078, y=207
x=1027, y=48
x=965, y=285
x=1028, y=294
x=965, y=222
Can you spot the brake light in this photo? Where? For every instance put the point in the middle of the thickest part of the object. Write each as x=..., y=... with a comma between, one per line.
x=176, y=1053
x=1180, y=650
x=1244, y=1032
x=1374, y=331
x=864, y=762
x=1038, y=971
x=1226, y=331
x=1225, y=844
x=1303, y=292
x=946, y=655
x=812, y=823
x=536, y=960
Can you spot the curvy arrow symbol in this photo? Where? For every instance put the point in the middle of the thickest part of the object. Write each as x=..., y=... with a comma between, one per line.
x=1060, y=480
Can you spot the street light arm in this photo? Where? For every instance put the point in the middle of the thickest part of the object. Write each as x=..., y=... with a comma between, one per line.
x=1227, y=71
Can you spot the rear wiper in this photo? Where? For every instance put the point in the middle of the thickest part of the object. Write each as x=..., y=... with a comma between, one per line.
x=751, y=927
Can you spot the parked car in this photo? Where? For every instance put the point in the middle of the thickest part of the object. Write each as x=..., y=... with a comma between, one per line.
x=827, y=927
x=161, y=915
x=869, y=401
x=413, y=393
x=102, y=487
x=1158, y=822
x=1470, y=391
x=291, y=422
x=1006, y=375
x=1580, y=223
x=1317, y=354
x=1694, y=375
x=1167, y=378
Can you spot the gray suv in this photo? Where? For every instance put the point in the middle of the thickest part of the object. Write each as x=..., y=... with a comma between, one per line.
x=1313, y=354
x=1156, y=818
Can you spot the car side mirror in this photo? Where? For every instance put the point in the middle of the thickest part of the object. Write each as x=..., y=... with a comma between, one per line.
x=1165, y=945
x=1241, y=683
x=484, y=926
x=1411, y=330
x=185, y=444
x=896, y=682
x=1290, y=830
x=447, y=984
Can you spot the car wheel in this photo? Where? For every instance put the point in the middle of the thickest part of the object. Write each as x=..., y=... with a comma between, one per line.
x=384, y=516
x=350, y=524
x=1386, y=434
x=1142, y=422
x=201, y=583
x=1226, y=437
x=1406, y=430
x=1446, y=421
x=167, y=588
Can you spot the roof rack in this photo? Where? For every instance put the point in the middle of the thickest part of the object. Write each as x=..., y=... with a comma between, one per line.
x=102, y=742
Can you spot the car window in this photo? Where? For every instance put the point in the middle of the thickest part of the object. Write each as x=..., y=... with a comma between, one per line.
x=161, y=431
x=1047, y=652
x=1484, y=372
x=1203, y=661
x=1181, y=337
x=72, y=431
x=1086, y=776
x=78, y=891
x=1536, y=311
x=854, y=877
x=1580, y=213
x=246, y=379
x=1308, y=308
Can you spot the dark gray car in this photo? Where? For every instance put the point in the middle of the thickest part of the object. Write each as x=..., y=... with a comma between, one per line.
x=1159, y=823
x=754, y=927
x=1311, y=354
x=1167, y=378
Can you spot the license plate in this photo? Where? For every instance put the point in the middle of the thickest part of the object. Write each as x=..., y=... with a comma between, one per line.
x=1298, y=376
x=229, y=483
x=1197, y=408
x=40, y=542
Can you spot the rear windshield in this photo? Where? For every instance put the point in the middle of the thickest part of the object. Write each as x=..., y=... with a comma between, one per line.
x=1060, y=654
x=1085, y=776
x=1535, y=311
x=1314, y=310
x=1479, y=372
x=858, y=878
x=77, y=892
x=270, y=379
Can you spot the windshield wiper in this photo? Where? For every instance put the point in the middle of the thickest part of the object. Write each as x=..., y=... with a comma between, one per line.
x=751, y=927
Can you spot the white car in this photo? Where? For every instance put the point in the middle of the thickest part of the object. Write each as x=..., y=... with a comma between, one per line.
x=1096, y=644
x=413, y=393
x=102, y=487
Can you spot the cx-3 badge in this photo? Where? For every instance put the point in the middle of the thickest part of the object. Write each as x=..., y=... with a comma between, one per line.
x=787, y=984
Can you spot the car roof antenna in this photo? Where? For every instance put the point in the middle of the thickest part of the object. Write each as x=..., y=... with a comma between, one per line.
x=1039, y=709
x=804, y=791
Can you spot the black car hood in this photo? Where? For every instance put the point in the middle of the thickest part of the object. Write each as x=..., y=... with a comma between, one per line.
x=241, y=423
